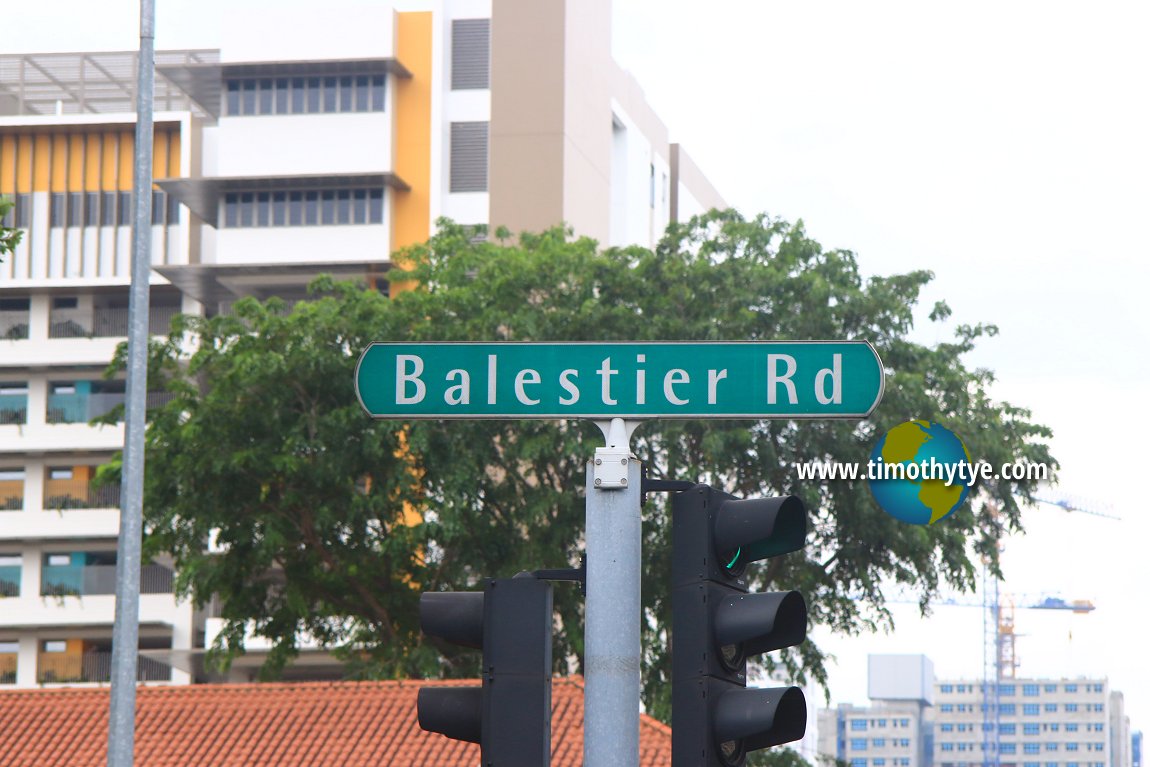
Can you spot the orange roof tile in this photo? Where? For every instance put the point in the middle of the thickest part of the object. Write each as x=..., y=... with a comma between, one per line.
x=313, y=724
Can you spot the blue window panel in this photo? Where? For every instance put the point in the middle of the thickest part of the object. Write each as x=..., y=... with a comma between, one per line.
x=1071, y=688
x=1071, y=707
x=1030, y=709
x=1006, y=709
x=1030, y=690
x=858, y=744
x=1030, y=748
x=1008, y=748
x=1005, y=689
x=858, y=724
x=1006, y=729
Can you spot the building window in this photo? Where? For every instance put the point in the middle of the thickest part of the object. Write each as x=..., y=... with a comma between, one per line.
x=879, y=742
x=1030, y=729
x=946, y=688
x=1006, y=689
x=1071, y=746
x=1050, y=688
x=1030, y=690
x=1030, y=709
x=904, y=722
x=244, y=210
x=1071, y=688
x=303, y=95
x=1030, y=748
x=1071, y=727
x=1071, y=708
x=947, y=708
x=469, y=157
x=1008, y=748
x=858, y=762
x=858, y=724
x=470, y=54
x=1006, y=729
x=1051, y=746
x=947, y=746
x=1050, y=708
x=881, y=723
x=858, y=744
x=947, y=727
x=1006, y=709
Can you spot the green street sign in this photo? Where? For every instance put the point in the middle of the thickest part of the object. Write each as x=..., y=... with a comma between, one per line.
x=765, y=379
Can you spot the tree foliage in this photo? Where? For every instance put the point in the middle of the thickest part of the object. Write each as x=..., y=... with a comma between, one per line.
x=9, y=236
x=331, y=523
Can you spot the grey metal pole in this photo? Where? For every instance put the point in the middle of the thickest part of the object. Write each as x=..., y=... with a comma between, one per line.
x=612, y=638
x=126, y=630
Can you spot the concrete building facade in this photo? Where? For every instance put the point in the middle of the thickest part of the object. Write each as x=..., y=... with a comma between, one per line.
x=304, y=144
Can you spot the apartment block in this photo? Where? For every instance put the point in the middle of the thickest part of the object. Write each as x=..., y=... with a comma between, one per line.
x=1041, y=723
x=307, y=143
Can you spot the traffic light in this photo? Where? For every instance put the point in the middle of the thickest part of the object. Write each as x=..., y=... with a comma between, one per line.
x=717, y=626
x=510, y=714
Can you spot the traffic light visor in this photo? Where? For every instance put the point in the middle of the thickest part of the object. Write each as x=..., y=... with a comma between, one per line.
x=747, y=530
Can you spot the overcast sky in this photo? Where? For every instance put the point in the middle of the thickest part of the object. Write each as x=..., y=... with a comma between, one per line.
x=1002, y=146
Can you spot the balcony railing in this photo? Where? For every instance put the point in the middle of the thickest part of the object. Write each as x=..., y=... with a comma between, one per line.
x=13, y=325
x=94, y=666
x=13, y=408
x=95, y=580
x=60, y=494
x=105, y=323
x=9, y=580
x=11, y=494
x=7, y=668
x=81, y=408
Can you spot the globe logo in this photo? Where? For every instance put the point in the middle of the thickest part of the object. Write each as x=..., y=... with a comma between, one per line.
x=919, y=472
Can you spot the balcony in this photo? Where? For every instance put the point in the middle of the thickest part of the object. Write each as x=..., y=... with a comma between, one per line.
x=7, y=663
x=92, y=580
x=93, y=666
x=13, y=404
x=9, y=580
x=13, y=324
x=71, y=488
x=105, y=322
x=11, y=489
x=82, y=401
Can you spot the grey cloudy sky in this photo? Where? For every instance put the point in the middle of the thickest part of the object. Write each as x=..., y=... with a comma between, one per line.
x=1004, y=146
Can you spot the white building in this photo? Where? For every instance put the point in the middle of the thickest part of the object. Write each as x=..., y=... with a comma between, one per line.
x=311, y=143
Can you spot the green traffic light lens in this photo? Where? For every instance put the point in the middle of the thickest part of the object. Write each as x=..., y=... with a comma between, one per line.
x=734, y=559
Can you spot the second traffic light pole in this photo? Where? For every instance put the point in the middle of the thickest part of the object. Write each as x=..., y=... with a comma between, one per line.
x=613, y=613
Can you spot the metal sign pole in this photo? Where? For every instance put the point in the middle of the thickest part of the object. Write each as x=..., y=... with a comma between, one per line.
x=612, y=638
x=126, y=629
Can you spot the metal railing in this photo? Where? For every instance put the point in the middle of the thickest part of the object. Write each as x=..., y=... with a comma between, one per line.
x=7, y=668
x=94, y=580
x=105, y=322
x=94, y=666
x=13, y=408
x=60, y=494
x=9, y=581
x=13, y=325
x=11, y=494
x=81, y=408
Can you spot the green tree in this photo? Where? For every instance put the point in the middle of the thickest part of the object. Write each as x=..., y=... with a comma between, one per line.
x=331, y=523
x=9, y=237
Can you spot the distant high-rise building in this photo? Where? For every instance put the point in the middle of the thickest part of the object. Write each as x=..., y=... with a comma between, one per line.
x=313, y=141
x=1042, y=722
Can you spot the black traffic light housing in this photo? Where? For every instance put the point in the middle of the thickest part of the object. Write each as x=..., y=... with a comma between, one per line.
x=510, y=714
x=717, y=625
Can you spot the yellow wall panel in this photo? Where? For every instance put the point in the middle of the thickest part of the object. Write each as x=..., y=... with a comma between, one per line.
x=109, y=159
x=42, y=163
x=93, y=153
x=174, y=154
x=160, y=154
x=76, y=162
x=127, y=147
x=411, y=210
x=59, y=162
x=24, y=147
x=8, y=165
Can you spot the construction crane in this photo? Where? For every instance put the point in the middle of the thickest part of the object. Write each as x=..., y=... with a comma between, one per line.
x=998, y=657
